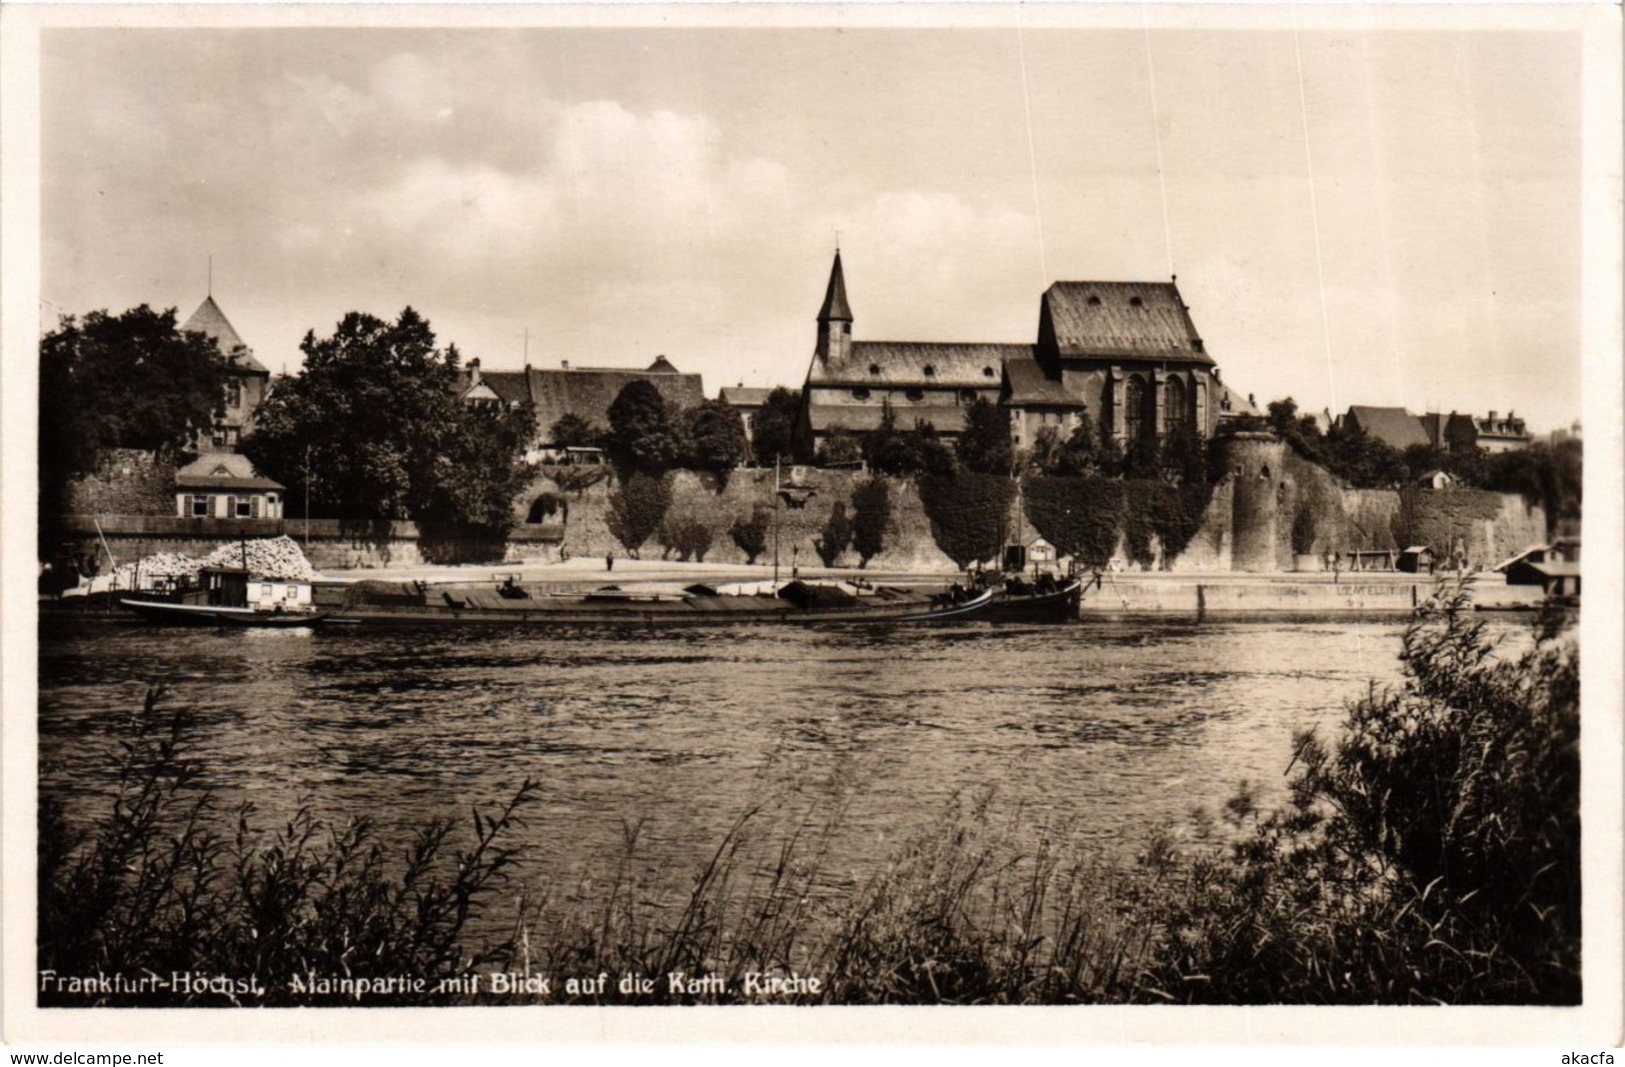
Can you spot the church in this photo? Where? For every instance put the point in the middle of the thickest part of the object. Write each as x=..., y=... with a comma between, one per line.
x=1125, y=353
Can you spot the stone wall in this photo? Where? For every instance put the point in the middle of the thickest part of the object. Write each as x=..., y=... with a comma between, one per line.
x=720, y=503
x=128, y=482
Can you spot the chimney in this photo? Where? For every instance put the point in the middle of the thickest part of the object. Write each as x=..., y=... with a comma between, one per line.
x=1492, y=416
x=564, y=364
x=474, y=371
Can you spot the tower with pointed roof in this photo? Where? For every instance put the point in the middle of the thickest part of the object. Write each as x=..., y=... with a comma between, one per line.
x=835, y=319
x=246, y=378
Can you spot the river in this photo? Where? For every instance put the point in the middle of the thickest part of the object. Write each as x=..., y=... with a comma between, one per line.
x=1103, y=730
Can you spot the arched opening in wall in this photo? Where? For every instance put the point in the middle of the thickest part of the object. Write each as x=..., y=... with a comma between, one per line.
x=545, y=507
x=1134, y=397
x=1264, y=473
x=1174, y=406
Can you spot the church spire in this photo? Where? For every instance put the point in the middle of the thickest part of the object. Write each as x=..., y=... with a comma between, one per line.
x=835, y=319
x=835, y=308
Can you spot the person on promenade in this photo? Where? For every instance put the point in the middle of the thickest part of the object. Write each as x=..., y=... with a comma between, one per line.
x=609, y=561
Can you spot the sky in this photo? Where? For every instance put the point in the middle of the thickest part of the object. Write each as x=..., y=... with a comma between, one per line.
x=1369, y=216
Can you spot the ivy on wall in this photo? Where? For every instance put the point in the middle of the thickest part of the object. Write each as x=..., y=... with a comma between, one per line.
x=967, y=513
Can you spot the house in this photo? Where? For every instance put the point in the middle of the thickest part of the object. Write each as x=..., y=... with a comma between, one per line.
x=586, y=392
x=748, y=402
x=1437, y=480
x=1125, y=353
x=1464, y=433
x=246, y=378
x=1394, y=427
x=225, y=485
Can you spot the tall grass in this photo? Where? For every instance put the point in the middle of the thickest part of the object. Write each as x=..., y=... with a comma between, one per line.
x=1429, y=852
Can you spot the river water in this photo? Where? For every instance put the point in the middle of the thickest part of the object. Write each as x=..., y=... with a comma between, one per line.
x=1106, y=729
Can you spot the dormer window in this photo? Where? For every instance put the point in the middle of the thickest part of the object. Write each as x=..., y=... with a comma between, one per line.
x=874, y=370
x=930, y=371
x=987, y=372
x=1094, y=301
x=1135, y=302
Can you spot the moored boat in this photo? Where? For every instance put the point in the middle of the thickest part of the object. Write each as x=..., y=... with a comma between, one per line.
x=226, y=596
x=1044, y=602
x=795, y=602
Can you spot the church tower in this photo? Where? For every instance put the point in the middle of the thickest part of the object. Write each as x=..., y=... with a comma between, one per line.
x=835, y=319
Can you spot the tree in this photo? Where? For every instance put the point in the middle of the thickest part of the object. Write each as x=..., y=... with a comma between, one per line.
x=967, y=513
x=836, y=536
x=1362, y=460
x=984, y=444
x=839, y=447
x=1548, y=474
x=374, y=416
x=637, y=509
x=751, y=534
x=774, y=439
x=1083, y=452
x=871, y=516
x=716, y=436
x=573, y=431
x=127, y=381
x=643, y=436
x=889, y=450
x=1081, y=517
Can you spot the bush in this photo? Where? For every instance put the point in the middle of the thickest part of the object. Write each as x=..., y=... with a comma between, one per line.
x=689, y=537
x=750, y=535
x=836, y=536
x=968, y=514
x=1429, y=854
x=148, y=887
x=871, y=507
x=637, y=509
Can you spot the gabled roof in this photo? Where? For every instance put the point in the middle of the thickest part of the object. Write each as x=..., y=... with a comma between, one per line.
x=510, y=387
x=835, y=306
x=1395, y=427
x=976, y=366
x=589, y=391
x=209, y=320
x=1128, y=320
x=661, y=365
x=742, y=396
x=1026, y=384
x=222, y=470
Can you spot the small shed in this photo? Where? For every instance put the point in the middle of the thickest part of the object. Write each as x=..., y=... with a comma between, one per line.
x=1438, y=480
x=1415, y=559
x=1555, y=578
x=1040, y=551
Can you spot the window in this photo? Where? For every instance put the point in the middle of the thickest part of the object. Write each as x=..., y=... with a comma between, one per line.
x=1135, y=302
x=1173, y=413
x=915, y=395
x=265, y=591
x=968, y=395
x=234, y=393
x=874, y=369
x=1134, y=395
x=244, y=507
x=860, y=393
x=987, y=372
x=218, y=439
x=930, y=371
x=1094, y=301
x=199, y=507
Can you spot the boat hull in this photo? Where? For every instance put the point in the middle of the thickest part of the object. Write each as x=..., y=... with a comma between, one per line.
x=172, y=614
x=1059, y=606
x=673, y=611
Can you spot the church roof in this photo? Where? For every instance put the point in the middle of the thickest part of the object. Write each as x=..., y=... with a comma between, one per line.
x=1128, y=320
x=835, y=305
x=945, y=416
x=1027, y=384
x=924, y=363
x=1395, y=427
x=209, y=320
x=661, y=365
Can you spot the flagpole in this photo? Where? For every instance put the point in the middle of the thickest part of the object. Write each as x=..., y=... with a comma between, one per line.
x=775, y=522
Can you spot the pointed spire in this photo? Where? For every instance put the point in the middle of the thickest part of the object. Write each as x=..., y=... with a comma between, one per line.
x=835, y=308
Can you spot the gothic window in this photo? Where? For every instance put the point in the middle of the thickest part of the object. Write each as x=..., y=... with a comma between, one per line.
x=1174, y=406
x=1134, y=397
